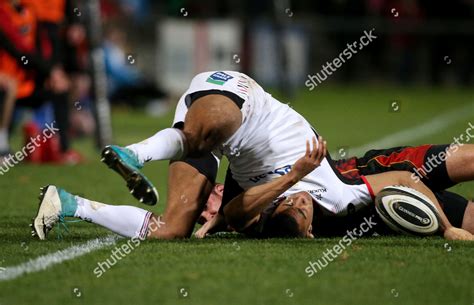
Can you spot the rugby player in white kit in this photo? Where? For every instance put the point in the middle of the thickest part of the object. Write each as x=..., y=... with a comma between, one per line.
x=222, y=113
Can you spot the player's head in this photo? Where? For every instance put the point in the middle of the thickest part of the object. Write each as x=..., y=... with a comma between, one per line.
x=213, y=204
x=292, y=217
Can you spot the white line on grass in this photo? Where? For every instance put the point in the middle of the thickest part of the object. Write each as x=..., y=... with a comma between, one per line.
x=45, y=261
x=425, y=129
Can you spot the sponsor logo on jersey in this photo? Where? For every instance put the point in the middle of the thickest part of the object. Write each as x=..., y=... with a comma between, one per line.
x=318, y=197
x=243, y=86
x=279, y=171
x=321, y=190
x=219, y=78
x=317, y=193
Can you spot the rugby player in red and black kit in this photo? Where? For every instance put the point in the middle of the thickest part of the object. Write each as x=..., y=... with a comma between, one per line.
x=439, y=167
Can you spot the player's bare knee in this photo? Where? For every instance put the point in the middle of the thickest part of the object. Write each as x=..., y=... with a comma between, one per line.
x=202, y=141
x=193, y=140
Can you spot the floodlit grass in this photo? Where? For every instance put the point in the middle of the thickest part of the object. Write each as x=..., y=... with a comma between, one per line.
x=229, y=269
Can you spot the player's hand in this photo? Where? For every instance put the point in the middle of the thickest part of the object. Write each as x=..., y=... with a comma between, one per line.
x=312, y=158
x=211, y=226
x=453, y=233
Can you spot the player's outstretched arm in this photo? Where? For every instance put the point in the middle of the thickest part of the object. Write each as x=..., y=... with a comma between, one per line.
x=379, y=181
x=216, y=224
x=245, y=209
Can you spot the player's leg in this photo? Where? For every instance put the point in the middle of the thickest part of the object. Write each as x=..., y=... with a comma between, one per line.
x=210, y=120
x=440, y=166
x=56, y=204
x=187, y=194
x=460, y=163
x=437, y=166
x=123, y=161
x=189, y=185
x=188, y=191
x=458, y=210
x=378, y=181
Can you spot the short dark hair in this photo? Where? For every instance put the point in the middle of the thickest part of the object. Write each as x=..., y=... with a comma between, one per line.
x=282, y=225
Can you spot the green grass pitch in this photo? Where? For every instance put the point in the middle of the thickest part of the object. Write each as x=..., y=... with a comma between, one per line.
x=229, y=269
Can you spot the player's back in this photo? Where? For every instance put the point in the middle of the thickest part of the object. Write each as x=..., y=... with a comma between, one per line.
x=272, y=135
x=270, y=140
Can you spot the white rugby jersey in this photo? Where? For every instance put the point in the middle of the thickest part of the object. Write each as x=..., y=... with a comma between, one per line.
x=270, y=140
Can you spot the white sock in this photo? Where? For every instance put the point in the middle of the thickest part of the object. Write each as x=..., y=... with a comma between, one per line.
x=167, y=144
x=4, y=140
x=124, y=220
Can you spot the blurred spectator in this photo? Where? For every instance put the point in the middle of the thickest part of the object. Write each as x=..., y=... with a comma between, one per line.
x=31, y=50
x=404, y=44
x=8, y=89
x=17, y=37
x=138, y=10
x=125, y=82
x=77, y=65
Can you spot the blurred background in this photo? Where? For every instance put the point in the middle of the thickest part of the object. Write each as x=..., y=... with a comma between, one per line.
x=76, y=62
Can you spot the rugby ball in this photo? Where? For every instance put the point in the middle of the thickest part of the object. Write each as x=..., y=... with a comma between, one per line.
x=407, y=211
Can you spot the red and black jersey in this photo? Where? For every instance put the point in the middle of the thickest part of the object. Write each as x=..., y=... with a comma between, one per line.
x=412, y=159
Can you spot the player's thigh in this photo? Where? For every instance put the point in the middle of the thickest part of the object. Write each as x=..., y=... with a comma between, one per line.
x=460, y=163
x=426, y=162
x=210, y=121
x=378, y=181
x=188, y=190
